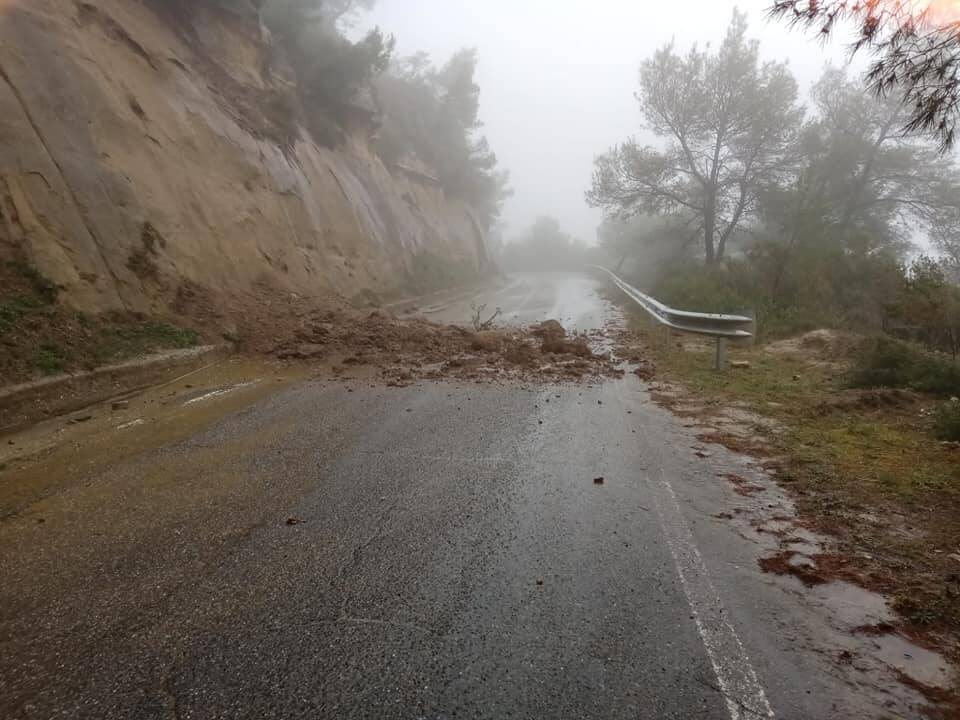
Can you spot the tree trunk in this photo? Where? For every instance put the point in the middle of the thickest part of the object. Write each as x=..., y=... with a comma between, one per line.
x=709, y=229
x=864, y=177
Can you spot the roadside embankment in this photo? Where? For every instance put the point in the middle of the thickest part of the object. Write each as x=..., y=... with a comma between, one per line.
x=863, y=464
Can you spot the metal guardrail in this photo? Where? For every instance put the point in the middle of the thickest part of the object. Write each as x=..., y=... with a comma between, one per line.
x=716, y=325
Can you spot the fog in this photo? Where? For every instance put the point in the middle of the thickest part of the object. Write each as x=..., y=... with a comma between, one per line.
x=557, y=79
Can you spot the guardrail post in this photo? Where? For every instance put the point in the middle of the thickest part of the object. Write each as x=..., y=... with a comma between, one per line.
x=752, y=314
x=720, y=359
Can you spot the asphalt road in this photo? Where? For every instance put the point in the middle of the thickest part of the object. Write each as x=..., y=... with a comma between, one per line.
x=339, y=549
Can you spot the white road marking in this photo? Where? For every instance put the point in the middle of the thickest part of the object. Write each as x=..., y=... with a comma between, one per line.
x=737, y=679
x=222, y=391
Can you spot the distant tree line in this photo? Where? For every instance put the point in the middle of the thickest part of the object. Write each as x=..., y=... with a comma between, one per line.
x=545, y=246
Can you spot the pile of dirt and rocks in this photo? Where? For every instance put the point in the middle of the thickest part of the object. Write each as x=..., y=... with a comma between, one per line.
x=325, y=329
x=631, y=348
x=406, y=349
x=866, y=400
x=822, y=347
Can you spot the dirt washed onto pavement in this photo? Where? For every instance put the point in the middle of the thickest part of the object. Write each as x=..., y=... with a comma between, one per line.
x=408, y=349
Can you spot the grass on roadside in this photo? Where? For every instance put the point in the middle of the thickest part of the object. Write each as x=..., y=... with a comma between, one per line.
x=771, y=382
x=39, y=336
x=120, y=341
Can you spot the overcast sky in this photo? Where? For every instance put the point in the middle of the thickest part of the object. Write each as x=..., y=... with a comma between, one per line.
x=557, y=78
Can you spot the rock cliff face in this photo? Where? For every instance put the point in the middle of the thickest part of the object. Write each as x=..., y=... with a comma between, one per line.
x=141, y=158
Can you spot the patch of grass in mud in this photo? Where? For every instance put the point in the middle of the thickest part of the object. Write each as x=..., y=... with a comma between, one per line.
x=118, y=342
x=50, y=359
x=41, y=336
x=885, y=453
x=864, y=466
x=14, y=309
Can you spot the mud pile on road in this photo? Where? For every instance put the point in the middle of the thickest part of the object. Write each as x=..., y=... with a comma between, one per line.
x=631, y=348
x=407, y=349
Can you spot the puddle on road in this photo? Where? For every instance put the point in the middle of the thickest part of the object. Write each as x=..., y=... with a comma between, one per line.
x=851, y=605
x=922, y=665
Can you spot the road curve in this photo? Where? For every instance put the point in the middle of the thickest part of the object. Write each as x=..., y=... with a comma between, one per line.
x=339, y=549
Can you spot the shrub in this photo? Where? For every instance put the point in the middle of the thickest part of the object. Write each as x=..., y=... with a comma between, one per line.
x=896, y=364
x=50, y=359
x=329, y=68
x=691, y=287
x=735, y=288
x=10, y=312
x=123, y=341
x=946, y=422
x=43, y=288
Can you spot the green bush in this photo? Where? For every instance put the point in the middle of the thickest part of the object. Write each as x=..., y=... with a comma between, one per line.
x=737, y=287
x=50, y=358
x=707, y=289
x=12, y=310
x=775, y=320
x=123, y=341
x=946, y=422
x=896, y=364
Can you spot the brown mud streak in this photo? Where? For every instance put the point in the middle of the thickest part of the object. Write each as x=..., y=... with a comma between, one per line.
x=946, y=703
x=742, y=487
x=744, y=446
x=825, y=568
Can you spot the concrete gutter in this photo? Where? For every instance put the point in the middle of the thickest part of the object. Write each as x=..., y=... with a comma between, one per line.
x=27, y=403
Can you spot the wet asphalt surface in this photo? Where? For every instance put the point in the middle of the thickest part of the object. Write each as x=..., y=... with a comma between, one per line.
x=345, y=550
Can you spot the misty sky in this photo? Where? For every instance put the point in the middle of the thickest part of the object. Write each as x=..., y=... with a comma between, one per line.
x=558, y=76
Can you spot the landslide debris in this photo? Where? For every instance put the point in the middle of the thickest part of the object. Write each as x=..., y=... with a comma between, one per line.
x=407, y=349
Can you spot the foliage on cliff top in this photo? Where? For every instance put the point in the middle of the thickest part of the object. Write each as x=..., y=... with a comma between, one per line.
x=425, y=117
x=431, y=118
